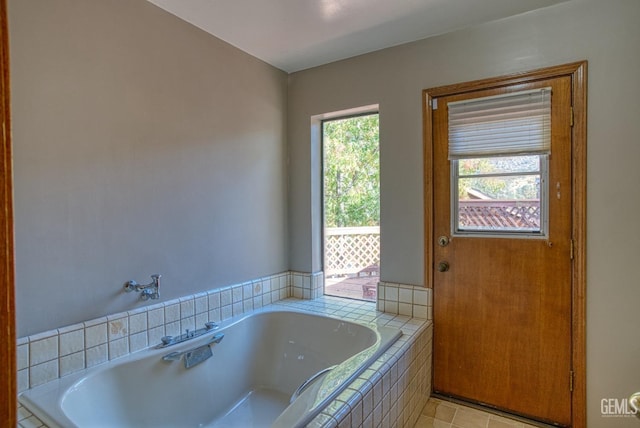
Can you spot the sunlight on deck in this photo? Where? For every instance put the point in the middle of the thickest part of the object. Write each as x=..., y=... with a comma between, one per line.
x=352, y=287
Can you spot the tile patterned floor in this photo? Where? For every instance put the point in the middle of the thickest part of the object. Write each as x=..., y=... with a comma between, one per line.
x=444, y=414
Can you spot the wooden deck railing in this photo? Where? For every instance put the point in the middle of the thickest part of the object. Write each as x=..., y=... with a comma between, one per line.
x=349, y=250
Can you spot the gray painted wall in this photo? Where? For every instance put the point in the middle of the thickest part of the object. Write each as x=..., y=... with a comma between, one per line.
x=606, y=34
x=141, y=145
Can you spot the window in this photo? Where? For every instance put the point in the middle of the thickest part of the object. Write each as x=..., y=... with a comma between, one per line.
x=499, y=149
x=351, y=199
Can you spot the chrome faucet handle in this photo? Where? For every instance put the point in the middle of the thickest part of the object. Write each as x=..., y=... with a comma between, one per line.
x=149, y=294
x=210, y=325
x=130, y=286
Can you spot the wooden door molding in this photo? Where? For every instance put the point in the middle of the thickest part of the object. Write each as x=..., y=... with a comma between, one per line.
x=8, y=385
x=578, y=73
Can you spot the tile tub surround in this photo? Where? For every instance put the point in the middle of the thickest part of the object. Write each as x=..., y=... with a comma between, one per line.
x=52, y=354
x=404, y=299
x=307, y=285
x=389, y=393
x=26, y=419
x=46, y=356
x=394, y=298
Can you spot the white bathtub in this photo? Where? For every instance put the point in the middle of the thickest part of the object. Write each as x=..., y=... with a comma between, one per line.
x=263, y=358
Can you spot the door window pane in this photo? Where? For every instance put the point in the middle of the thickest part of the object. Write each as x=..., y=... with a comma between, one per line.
x=500, y=195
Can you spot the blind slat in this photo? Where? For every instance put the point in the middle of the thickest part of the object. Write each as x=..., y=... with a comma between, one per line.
x=516, y=123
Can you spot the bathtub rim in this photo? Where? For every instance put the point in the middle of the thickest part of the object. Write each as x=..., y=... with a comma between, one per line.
x=50, y=395
x=297, y=417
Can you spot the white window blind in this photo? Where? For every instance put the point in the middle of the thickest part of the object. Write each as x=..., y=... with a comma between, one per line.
x=501, y=125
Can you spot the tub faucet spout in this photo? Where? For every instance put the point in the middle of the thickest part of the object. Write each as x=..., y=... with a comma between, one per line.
x=196, y=355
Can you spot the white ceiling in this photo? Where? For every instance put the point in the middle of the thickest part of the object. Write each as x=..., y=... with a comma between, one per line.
x=293, y=35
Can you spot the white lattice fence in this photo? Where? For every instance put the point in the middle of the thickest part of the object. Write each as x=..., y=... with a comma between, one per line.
x=348, y=250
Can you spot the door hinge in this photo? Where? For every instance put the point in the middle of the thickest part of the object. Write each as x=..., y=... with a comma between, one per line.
x=571, y=380
x=434, y=104
x=571, y=245
x=571, y=117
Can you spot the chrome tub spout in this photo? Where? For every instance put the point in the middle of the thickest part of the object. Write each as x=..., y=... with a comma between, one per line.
x=195, y=355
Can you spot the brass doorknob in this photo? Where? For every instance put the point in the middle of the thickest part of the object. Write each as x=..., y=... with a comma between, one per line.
x=443, y=267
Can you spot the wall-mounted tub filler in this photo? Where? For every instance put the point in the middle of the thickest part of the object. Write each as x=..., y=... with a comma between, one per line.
x=148, y=291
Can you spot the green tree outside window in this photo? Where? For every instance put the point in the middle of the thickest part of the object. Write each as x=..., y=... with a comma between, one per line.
x=352, y=171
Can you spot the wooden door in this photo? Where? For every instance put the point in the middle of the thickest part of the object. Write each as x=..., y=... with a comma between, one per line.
x=502, y=310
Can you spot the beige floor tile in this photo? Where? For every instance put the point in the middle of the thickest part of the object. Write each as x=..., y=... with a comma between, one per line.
x=424, y=422
x=430, y=407
x=496, y=421
x=468, y=418
x=445, y=412
x=429, y=422
x=439, y=410
x=502, y=423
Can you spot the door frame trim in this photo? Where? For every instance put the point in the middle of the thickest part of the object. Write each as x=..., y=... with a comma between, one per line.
x=8, y=385
x=578, y=73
